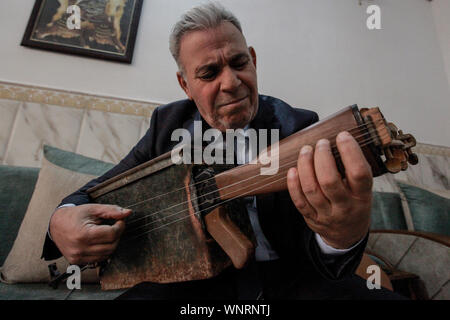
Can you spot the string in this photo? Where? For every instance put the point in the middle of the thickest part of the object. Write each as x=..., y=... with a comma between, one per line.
x=182, y=188
x=241, y=181
x=188, y=216
x=228, y=186
x=333, y=147
x=218, y=198
x=219, y=204
x=183, y=218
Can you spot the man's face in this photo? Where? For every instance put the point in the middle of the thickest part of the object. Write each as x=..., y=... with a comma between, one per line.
x=219, y=74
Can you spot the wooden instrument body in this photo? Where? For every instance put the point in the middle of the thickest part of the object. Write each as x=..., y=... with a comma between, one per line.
x=165, y=239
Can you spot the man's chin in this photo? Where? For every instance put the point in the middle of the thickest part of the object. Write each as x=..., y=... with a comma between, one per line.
x=234, y=120
x=234, y=123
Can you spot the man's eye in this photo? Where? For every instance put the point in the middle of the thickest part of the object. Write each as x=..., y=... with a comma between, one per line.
x=208, y=76
x=240, y=64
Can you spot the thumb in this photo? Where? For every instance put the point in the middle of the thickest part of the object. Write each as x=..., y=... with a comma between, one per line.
x=110, y=212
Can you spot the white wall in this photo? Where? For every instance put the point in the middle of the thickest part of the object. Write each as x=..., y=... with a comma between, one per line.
x=441, y=14
x=312, y=53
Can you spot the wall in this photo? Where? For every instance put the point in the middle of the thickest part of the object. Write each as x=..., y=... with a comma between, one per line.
x=95, y=126
x=441, y=14
x=107, y=128
x=311, y=53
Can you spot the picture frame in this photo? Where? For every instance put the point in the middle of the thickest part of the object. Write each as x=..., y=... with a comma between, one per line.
x=106, y=29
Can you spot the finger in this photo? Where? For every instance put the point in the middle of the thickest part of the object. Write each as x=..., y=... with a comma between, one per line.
x=102, y=249
x=104, y=234
x=83, y=258
x=106, y=211
x=297, y=196
x=357, y=169
x=92, y=259
x=308, y=180
x=328, y=176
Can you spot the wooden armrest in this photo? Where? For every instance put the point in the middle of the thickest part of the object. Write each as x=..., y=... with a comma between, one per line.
x=442, y=239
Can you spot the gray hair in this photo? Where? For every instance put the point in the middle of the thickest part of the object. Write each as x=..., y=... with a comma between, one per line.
x=205, y=16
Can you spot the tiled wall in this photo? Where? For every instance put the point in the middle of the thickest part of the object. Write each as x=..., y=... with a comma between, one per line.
x=99, y=127
x=432, y=171
x=107, y=128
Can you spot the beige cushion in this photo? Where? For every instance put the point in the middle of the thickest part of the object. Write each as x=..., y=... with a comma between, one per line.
x=24, y=263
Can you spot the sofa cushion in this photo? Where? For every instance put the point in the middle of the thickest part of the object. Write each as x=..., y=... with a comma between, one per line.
x=24, y=263
x=387, y=212
x=16, y=188
x=76, y=162
x=430, y=209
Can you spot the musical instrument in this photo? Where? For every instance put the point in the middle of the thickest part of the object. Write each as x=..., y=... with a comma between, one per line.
x=189, y=221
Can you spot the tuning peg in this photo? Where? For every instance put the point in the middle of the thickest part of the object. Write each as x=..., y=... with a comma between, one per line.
x=412, y=157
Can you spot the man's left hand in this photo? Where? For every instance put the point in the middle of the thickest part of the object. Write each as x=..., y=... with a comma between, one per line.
x=336, y=208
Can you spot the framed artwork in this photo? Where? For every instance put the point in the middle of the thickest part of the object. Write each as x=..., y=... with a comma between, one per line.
x=104, y=29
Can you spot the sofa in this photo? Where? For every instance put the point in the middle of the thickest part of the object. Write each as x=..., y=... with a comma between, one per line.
x=26, y=198
x=409, y=238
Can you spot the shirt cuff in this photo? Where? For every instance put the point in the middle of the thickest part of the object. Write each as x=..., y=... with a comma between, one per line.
x=327, y=249
x=61, y=206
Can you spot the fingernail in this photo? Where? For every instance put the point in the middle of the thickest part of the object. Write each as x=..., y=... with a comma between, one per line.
x=291, y=173
x=306, y=150
x=344, y=135
x=323, y=144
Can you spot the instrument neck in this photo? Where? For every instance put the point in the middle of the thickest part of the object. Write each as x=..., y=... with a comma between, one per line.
x=258, y=178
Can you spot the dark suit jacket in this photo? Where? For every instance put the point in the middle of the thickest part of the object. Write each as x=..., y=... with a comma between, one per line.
x=280, y=221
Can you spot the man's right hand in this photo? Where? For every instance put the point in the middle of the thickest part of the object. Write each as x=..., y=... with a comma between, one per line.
x=82, y=236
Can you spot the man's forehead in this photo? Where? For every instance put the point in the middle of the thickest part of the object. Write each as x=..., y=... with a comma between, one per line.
x=207, y=46
x=216, y=56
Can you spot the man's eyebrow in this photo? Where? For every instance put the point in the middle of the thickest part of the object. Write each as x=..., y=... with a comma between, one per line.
x=214, y=65
x=206, y=67
x=239, y=56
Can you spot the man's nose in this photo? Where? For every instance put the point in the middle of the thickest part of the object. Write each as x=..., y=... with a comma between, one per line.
x=229, y=80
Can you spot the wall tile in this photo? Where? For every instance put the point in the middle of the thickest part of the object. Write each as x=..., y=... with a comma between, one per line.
x=8, y=110
x=373, y=237
x=384, y=183
x=444, y=292
x=109, y=136
x=430, y=260
x=392, y=246
x=432, y=171
x=145, y=125
x=39, y=124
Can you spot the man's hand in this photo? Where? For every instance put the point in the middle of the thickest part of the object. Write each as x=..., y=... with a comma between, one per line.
x=81, y=237
x=335, y=208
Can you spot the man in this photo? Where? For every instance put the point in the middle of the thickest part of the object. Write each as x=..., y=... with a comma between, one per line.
x=310, y=239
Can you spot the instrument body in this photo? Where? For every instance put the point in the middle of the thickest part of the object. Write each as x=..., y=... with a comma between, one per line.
x=182, y=239
x=165, y=239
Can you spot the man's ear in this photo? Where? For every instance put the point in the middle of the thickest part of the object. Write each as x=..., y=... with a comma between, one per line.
x=183, y=84
x=253, y=55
